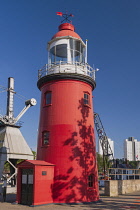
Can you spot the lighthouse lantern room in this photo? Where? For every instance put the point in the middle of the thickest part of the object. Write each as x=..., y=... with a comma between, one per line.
x=66, y=135
x=67, y=53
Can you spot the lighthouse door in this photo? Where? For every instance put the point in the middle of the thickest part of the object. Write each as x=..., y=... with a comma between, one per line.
x=27, y=187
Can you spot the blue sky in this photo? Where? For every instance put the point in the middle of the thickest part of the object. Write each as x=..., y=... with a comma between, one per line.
x=113, y=32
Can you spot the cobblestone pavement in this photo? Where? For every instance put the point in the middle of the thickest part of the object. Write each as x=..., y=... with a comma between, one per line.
x=129, y=201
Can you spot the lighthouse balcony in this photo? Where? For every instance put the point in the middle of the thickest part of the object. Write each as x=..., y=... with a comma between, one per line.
x=68, y=68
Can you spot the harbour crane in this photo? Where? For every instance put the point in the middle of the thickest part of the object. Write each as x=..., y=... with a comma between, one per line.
x=103, y=139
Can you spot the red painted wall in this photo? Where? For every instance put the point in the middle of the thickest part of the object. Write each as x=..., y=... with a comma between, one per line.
x=43, y=185
x=72, y=140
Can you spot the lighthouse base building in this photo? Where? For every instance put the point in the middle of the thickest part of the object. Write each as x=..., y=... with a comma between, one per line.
x=66, y=154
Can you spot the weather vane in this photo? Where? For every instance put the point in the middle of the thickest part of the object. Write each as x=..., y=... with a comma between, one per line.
x=65, y=16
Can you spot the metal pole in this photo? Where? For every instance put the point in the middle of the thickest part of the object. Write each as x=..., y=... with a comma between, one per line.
x=86, y=52
x=10, y=98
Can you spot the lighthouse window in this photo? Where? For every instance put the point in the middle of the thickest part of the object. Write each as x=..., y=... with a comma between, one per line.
x=45, y=138
x=86, y=99
x=48, y=98
x=90, y=180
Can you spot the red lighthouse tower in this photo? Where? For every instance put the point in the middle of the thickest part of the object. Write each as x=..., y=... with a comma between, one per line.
x=66, y=130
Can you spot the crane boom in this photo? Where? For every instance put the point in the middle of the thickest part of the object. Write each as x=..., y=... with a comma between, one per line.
x=107, y=151
x=28, y=103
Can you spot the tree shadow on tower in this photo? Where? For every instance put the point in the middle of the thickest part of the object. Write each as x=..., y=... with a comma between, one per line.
x=82, y=158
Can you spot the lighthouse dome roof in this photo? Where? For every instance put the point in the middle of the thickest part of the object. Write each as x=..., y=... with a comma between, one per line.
x=66, y=29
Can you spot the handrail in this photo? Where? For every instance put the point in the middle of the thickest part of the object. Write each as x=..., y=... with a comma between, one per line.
x=76, y=67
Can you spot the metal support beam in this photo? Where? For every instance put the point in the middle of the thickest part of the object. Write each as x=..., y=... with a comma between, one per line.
x=9, y=179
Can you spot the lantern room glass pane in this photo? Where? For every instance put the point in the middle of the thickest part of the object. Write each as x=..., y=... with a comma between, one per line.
x=77, y=50
x=58, y=53
x=61, y=50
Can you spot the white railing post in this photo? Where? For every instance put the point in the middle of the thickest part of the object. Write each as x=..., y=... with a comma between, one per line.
x=59, y=66
x=46, y=70
x=76, y=67
x=94, y=74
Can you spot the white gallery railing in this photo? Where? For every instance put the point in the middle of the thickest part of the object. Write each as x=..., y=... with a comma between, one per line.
x=66, y=67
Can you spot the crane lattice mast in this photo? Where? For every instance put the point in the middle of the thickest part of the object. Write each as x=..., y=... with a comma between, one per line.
x=103, y=139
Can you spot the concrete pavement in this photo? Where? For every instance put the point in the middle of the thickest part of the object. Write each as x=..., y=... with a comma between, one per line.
x=129, y=201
